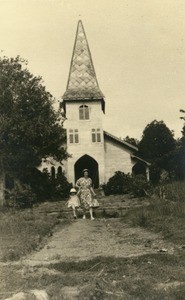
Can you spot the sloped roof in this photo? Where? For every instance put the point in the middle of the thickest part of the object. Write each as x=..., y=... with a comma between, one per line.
x=120, y=141
x=131, y=147
x=82, y=82
x=140, y=159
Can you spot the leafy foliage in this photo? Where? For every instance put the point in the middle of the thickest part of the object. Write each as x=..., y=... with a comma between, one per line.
x=45, y=187
x=131, y=141
x=182, y=111
x=140, y=187
x=30, y=127
x=37, y=187
x=122, y=183
x=157, y=146
x=164, y=215
x=60, y=187
x=157, y=141
x=21, y=196
x=118, y=184
x=180, y=153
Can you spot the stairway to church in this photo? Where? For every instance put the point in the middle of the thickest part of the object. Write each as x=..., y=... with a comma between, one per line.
x=113, y=206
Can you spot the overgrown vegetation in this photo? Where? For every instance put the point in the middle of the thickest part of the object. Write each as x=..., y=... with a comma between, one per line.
x=47, y=187
x=154, y=277
x=174, y=191
x=30, y=128
x=122, y=183
x=165, y=215
x=21, y=196
x=22, y=232
x=159, y=147
x=36, y=187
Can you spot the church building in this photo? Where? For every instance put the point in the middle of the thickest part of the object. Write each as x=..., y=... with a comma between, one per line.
x=89, y=145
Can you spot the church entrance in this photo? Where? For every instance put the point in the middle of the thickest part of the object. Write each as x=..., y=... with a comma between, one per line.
x=87, y=162
x=139, y=169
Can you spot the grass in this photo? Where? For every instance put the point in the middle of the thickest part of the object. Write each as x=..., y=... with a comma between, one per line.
x=22, y=232
x=116, y=278
x=164, y=215
x=109, y=278
x=153, y=276
x=175, y=191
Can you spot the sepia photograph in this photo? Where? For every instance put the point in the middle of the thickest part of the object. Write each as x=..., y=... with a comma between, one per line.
x=92, y=150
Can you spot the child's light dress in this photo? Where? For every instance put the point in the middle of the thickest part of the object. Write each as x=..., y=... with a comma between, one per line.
x=73, y=201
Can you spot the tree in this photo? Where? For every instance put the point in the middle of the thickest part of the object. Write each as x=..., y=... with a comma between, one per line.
x=156, y=146
x=182, y=111
x=180, y=152
x=29, y=126
x=131, y=141
x=183, y=128
x=176, y=158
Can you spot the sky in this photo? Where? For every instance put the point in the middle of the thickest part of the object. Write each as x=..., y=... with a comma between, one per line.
x=137, y=47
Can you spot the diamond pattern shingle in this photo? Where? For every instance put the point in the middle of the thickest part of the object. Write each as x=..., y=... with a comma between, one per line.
x=82, y=81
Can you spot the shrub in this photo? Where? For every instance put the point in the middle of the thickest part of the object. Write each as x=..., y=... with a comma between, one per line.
x=39, y=182
x=45, y=187
x=140, y=186
x=118, y=184
x=163, y=216
x=122, y=183
x=21, y=196
x=174, y=191
x=60, y=187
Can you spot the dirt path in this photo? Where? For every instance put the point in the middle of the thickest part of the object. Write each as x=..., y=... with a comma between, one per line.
x=32, y=277
x=85, y=239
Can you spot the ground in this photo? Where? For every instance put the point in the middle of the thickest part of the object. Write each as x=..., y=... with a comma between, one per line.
x=86, y=239
x=100, y=259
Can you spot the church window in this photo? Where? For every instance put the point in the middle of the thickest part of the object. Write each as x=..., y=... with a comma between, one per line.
x=96, y=135
x=59, y=171
x=53, y=172
x=73, y=136
x=84, y=112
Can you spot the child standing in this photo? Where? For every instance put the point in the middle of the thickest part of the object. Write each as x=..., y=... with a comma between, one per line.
x=73, y=201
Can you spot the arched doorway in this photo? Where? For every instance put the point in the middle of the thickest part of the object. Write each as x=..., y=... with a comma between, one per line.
x=139, y=169
x=87, y=162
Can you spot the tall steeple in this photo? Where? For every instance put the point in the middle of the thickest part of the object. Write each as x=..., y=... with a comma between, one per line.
x=82, y=82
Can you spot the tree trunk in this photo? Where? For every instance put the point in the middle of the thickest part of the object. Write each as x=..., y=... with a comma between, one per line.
x=2, y=184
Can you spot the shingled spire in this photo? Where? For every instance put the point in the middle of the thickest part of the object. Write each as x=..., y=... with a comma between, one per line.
x=82, y=82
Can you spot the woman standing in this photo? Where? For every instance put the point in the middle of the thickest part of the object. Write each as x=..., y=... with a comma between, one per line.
x=86, y=193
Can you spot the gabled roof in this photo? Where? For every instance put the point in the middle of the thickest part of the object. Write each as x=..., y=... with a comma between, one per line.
x=82, y=82
x=134, y=149
x=140, y=159
x=120, y=141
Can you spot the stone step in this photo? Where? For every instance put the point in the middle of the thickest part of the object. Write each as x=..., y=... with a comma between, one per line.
x=124, y=208
x=66, y=209
x=103, y=202
x=97, y=214
x=110, y=206
x=101, y=212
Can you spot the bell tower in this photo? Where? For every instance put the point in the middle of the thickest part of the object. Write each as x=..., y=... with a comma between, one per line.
x=84, y=105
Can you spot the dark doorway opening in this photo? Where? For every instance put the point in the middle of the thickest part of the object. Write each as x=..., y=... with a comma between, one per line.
x=59, y=171
x=53, y=172
x=87, y=162
x=139, y=169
